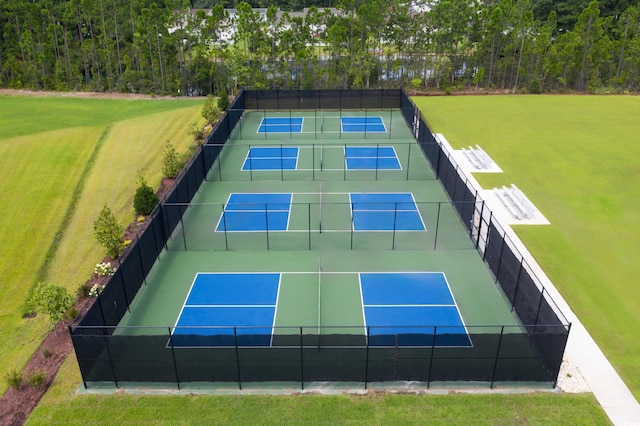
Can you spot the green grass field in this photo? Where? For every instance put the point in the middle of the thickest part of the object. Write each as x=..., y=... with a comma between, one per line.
x=577, y=158
x=64, y=156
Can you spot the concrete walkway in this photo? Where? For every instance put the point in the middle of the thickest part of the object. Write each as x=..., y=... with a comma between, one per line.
x=607, y=386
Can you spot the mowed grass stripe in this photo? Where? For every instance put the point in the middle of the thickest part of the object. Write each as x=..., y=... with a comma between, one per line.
x=39, y=176
x=132, y=146
x=42, y=171
x=23, y=115
x=578, y=159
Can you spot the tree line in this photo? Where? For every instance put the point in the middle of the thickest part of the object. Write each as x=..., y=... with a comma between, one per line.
x=164, y=47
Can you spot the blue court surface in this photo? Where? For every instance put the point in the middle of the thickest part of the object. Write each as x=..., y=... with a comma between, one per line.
x=281, y=125
x=371, y=158
x=255, y=212
x=217, y=303
x=385, y=212
x=411, y=309
x=362, y=124
x=271, y=158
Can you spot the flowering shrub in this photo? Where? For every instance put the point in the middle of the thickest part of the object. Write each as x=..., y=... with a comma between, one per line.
x=96, y=290
x=104, y=269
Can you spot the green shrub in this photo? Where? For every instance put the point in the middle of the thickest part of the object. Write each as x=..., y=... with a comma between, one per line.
x=52, y=300
x=534, y=86
x=223, y=100
x=108, y=232
x=171, y=162
x=35, y=379
x=72, y=312
x=45, y=352
x=145, y=199
x=210, y=110
x=14, y=379
x=82, y=291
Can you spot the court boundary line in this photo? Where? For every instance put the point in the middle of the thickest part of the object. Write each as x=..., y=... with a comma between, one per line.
x=251, y=169
x=290, y=125
x=184, y=305
x=224, y=210
x=455, y=304
x=377, y=157
x=365, y=124
x=387, y=230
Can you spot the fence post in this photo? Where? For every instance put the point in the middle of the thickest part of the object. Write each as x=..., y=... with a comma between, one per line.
x=173, y=357
x=535, y=323
x=113, y=369
x=433, y=350
x=144, y=277
x=504, y=241
x=235, y=342
x=479, y=224
x=495, y=363
x=366, y=359
x=435, y=237
x=515, y=291
x=184, y=237
x=408, y=160
x=301, y=361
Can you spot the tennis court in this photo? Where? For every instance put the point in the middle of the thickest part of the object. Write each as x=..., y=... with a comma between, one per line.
x=283, y=213
x=316, y=245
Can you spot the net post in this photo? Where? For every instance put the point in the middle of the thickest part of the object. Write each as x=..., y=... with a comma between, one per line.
x=495, y=362
x=320, y=211
x=313, y=161
x=395, y=219
x=352, y=226
x=282, y=163
x=290, y=130
x=265, y=126
x=173, y=358
x=266, y=219
x=344, y=163
x=250, y=164
x=224, y=223
x=377, y=154
x=391, y=122
x=365, y=118
x=309, y=222
x=435, y=237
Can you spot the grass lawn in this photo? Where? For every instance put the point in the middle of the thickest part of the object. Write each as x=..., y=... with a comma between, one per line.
x=61, y=406
x=50, y=149
x=577, y=158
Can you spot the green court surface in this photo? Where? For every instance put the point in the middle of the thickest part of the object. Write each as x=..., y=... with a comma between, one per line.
x=320, y=251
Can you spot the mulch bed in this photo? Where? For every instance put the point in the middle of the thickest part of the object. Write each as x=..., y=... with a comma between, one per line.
x=17, y=404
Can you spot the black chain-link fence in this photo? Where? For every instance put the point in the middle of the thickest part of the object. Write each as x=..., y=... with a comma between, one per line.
x=532, y=352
